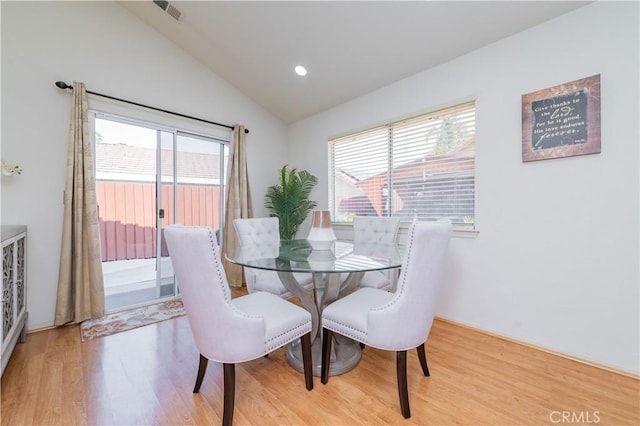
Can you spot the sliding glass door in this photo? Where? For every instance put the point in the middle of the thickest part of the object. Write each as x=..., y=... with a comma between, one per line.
x=147, y=178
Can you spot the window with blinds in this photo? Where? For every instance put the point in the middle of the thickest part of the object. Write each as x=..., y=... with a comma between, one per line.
x=420, y=168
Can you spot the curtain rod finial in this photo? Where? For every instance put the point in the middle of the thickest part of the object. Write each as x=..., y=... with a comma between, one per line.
x=63, y=85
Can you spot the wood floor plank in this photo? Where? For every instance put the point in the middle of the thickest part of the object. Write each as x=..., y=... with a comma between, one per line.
x=146, y=376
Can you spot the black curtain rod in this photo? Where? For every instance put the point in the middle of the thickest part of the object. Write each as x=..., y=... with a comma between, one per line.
x=63, y=85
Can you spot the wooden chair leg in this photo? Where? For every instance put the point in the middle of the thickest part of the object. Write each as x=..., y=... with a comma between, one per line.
x=423, y=360
x=202, y=368
x=327, y=335
x=401, y=371
x=306, y=360
x=229, y=393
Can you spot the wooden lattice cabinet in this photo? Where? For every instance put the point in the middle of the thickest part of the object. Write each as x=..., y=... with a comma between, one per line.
x=14, y=289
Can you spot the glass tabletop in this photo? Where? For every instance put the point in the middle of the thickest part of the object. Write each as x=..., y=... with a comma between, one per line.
x=298, y=256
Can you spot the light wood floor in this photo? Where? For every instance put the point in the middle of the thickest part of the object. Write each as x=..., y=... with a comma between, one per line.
x=146, y=376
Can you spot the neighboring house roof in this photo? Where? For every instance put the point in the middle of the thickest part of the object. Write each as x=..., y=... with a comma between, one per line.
x=127, y=160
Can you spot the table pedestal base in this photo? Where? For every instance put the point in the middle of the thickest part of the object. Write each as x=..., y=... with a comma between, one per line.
x=345, y=355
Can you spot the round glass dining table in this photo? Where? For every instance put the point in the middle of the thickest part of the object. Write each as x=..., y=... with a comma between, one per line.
x=336, y=273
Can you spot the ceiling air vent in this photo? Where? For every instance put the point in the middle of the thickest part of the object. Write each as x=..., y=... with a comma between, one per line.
x=169, y=8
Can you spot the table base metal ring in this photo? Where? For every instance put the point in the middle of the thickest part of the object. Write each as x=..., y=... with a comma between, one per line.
x=344, y=357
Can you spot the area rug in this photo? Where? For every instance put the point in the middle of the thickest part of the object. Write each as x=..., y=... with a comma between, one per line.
x=128, y=320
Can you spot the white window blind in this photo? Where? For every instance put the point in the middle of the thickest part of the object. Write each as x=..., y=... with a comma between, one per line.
x=419, y=168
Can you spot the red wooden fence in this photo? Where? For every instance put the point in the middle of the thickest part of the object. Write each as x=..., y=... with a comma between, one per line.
x=127, y=212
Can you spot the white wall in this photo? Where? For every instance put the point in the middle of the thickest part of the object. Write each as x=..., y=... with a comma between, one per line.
x=112, y=52
x=555, y=263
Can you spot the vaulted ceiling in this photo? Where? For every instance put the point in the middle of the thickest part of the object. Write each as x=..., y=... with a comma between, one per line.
x=349, y=48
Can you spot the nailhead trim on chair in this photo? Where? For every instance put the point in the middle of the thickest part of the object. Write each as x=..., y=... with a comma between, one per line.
x=348, y=327
x=221, y=275
x=275, y=338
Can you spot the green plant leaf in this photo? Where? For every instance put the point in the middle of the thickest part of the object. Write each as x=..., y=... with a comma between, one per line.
x=289, y=200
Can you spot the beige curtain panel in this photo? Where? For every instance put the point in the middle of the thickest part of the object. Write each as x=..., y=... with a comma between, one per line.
x=80, y=285
x=238, y=202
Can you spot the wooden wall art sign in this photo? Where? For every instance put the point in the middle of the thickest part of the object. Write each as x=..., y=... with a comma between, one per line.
x=562, y=121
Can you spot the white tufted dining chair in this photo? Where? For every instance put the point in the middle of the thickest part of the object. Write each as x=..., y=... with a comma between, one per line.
x=254, y=235
x=228, y=330
x=395, y=321
x=376, y=230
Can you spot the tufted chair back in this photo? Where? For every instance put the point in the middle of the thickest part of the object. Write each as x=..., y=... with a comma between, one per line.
x=367, y=232
x=257, y=233
x=375, y=229
x=259, y=238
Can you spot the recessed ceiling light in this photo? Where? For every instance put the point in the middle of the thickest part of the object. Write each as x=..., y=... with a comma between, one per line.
x=300, y=70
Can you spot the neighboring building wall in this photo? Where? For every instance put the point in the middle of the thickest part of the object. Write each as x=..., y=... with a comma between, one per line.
x=127, y=212
x=555, y=262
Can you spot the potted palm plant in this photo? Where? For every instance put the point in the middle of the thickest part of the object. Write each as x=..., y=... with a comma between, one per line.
x=289, y=200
